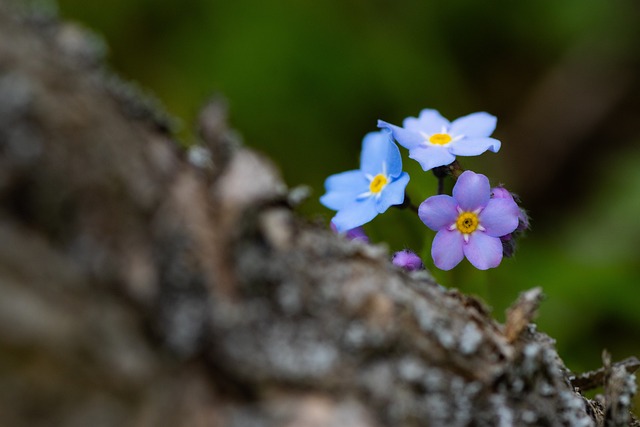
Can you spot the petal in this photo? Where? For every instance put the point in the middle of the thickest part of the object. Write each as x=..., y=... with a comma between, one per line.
x=337, y=200
x=483, y=251
x=431, y=157
x=501, y=193
x=356, y=214
x=408, y=139
x=393, y=160
x=474, y=125
x=393, y=193
x=438, y=212
x=446, y=250
x=412, y=124
x=377, y=150
x=346, y=181
x=523, y=220
x=500, y=217
x=408, y=260
x=472, y=191
x=343, y=188
x=429, y=122
x=474, y=146
x=357, y=233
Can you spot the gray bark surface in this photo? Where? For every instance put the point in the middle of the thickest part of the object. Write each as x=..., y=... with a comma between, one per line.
x=141, y=286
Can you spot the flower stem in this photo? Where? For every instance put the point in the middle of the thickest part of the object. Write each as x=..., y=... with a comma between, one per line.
x=453, y=170
x=440, y=185
x=406, y=204
x=441, y=172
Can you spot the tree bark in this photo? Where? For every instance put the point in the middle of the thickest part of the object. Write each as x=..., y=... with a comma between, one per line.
x=141, y=285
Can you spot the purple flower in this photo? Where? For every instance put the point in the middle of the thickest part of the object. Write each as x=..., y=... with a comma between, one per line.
x=434, y=141
x=407, y=260
x=469, y=224
x=353, y=234
x=360, y=195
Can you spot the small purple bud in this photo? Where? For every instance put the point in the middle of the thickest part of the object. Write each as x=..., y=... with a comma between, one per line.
x=508, y=245
x=509, y=240
x=523, y=221
x=353, y=234
x=501, y=193
x=408, y=260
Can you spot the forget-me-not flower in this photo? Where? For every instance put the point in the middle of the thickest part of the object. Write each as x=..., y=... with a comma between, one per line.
x=434, y=141
x=407, y=260
x=469, y=224
x=359, y=195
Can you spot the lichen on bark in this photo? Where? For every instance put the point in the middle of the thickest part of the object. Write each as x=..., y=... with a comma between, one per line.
x=140, y=287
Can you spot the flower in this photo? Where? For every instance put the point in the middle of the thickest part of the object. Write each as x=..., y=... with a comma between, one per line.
x=353, y=234
x=407, y=260
x=469, y=224
x=433, y=141
x=360, y=195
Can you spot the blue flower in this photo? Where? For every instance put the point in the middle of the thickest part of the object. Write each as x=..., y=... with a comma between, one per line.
x=360, y=195
x=434, y=141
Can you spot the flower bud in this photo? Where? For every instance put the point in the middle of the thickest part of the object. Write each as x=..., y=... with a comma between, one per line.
x=407, y=260
x=509, y=240
x=353, y=234
x=501, y=193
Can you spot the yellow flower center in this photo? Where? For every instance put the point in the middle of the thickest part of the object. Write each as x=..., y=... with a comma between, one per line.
x=377, y=183
x=440, y=138
x=467, y=222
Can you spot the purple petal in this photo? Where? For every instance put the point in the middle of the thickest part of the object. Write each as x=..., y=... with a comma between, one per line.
x=355, y=214
x=438, y=212
x=407, y=139
x=472, y=191
x=483, y=251
x=393, y=193
x=343, y=188
x=523, y=220
x=379, y=150
x=474, y=146
x=357, y=233
x=501, y=193
x=499, y=217
x=447, y=249
x=475, y=125
x=431, y=157
x=408, y=260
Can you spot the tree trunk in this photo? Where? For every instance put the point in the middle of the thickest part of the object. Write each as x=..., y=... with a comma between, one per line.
x=142, y=286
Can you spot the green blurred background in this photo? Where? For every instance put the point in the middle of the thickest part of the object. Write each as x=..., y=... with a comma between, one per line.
x=305, y=80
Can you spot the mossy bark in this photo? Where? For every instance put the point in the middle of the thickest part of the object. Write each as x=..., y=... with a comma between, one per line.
x=141, y=286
